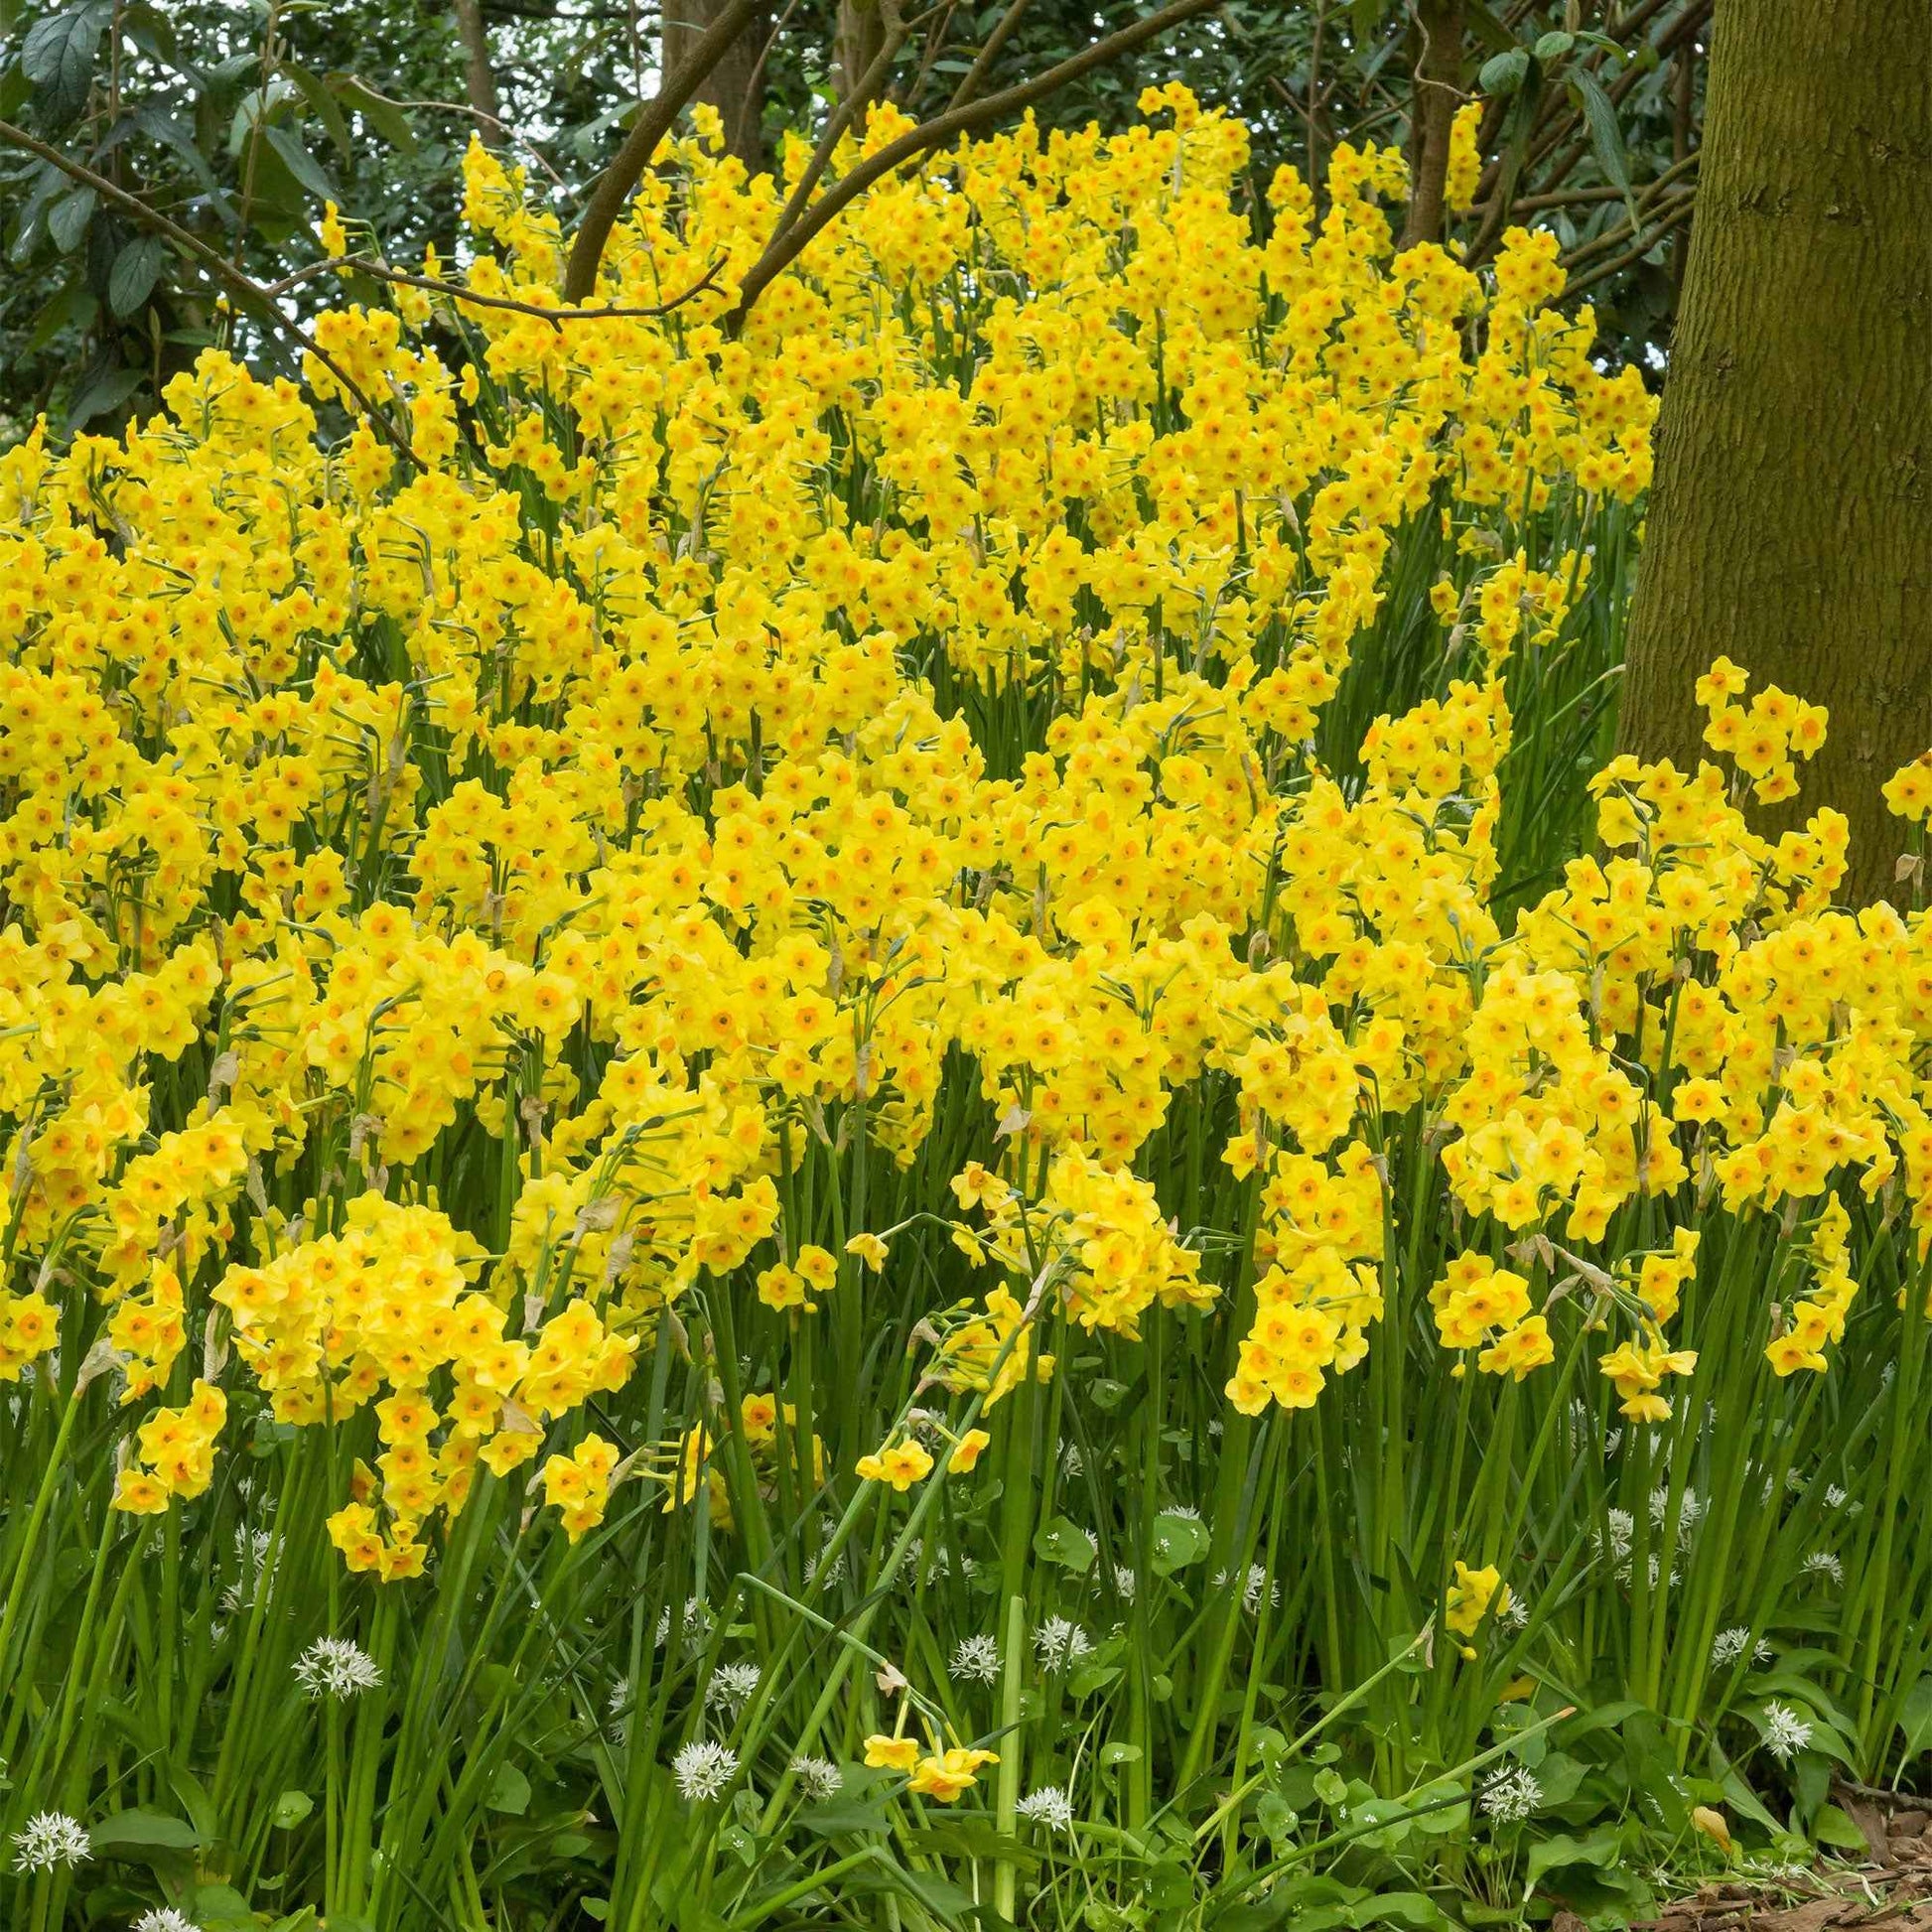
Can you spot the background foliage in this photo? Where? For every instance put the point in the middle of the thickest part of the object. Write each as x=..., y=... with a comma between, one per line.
x=239, y=120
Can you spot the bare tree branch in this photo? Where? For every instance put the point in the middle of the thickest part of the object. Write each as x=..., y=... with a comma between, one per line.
x=520, y=140
x=845, y=114
x=1558, y=121
x=1679, y=212
x=1652, y=199
x=479, y=82
x=935, y=41
x=1673, y=38
x=734, y=85
x=457, y=292
x=757, y=79
x=1311, y=112
x=969, y=84
x=655, y=121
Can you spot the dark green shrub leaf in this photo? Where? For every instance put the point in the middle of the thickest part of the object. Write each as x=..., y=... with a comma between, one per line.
x=1503, y=73
x=131, y=280
x=58, y=56
x=67, y=219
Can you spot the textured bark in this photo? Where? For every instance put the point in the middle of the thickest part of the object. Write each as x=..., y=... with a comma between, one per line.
x=735, y=87
x=479, y=78
x=1438, y=80
x=860, y=34
x=1791, y=528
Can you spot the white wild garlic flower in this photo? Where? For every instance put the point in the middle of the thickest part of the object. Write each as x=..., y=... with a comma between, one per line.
x=975, y=1660
x=703, y=1769
x=1785, y=1733
x=1059, y=1643
x=337, y=1668
x=1729, y=1645
x=51, y=1839
x=818, y=1777
x=1049, y=1807
x=694, y=1625
x=1510, y=1796
x=731, y=1688
x=1253, y=1586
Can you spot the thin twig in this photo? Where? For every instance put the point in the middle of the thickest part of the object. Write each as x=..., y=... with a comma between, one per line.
x=1652, y=195
x=270, y=26
x=463, y=108
x=363, y=264
x=934, y=41
x=1589, y=197
x=756, y=84
x=1586, y=251
x=1680, y=212
x=1313, y=111
x=1683, y=26
x=1563, y=198
x=478, y=79
x=1556, y=120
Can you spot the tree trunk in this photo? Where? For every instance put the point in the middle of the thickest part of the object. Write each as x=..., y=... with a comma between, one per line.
x=860, y=34
x=1438, y=93
x=1683, y=125
x=736, y=86
x=479, y=80
x=1791, y=528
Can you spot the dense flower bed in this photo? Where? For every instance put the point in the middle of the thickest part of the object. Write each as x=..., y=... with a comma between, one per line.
x=820, y=1005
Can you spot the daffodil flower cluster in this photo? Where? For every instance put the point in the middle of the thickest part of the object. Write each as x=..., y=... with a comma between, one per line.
x=447, y=899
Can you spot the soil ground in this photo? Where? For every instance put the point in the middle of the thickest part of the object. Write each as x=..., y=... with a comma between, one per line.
x=1891, y=1887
